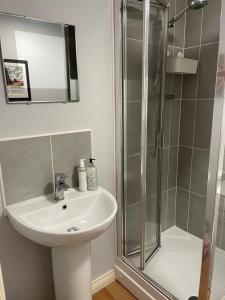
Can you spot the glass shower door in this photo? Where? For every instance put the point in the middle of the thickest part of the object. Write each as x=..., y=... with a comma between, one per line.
x=153, y=130
x=144, y=52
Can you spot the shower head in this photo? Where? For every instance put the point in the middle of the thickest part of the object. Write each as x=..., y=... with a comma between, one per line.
x=195, y=4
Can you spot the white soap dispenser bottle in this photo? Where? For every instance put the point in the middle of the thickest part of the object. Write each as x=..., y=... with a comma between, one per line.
x=82, y=176
x=92, y=177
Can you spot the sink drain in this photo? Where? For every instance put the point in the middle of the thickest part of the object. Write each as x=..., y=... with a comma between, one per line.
x=73, y=229
x=193, y=298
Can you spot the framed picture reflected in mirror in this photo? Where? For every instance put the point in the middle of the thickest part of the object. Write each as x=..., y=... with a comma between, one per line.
x=17, y=80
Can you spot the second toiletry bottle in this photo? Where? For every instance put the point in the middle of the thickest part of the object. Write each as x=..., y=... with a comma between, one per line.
x=92, y=178
x=82, y=176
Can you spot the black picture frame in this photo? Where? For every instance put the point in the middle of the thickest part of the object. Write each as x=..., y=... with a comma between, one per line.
x=20, y=89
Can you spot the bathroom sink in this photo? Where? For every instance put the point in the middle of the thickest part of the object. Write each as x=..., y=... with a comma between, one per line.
x=79, y=218
x=67, y=227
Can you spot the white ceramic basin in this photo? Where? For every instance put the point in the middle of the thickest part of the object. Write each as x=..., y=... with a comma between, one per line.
x=79, y=218
x=68, y=227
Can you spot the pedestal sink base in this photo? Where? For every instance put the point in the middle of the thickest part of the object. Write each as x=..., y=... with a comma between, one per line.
x=72, y=272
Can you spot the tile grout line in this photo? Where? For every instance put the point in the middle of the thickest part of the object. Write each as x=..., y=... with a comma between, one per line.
x=200, y=99
x=203, y=45
x=196, y=194
x=149, y=197
x=53, y=171
x=197, y=148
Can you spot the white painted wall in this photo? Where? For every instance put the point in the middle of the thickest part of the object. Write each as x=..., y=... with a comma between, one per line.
x=93, y=20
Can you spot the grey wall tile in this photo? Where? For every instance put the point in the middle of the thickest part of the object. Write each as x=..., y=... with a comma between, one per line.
x=133, y=179
x=153, y=108
x=184, y=167
x=134, y=70
x=189, y=90
x=221, y=208
x=223, y=237
x=177, y=86
x=173, y=160
x=67, y=150
x=193, y=28
x=163, y=212
x=179, y=27
x=152, y=172
x=151, y=226
x=223, y=177
x=26, y=167
x=175, y=122
x=203, y=123
x=219, y=233
x=134, y=23
x=196, y=215
x=166, y=140
x=134, y=59
x=199, y=176
x=168, y=85
x=182, y=203
x=187, y=122
x=165, y=169
x=133, y=223
x=171, y=31
x=171, y=213
x=207, y=71
x=211, y=22
x=133, y=127
x=151, y=212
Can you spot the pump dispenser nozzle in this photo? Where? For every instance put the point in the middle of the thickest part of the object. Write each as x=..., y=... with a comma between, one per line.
x=82, y=164
x=91, y=160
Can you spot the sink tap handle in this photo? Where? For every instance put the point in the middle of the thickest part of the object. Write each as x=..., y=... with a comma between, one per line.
x=60, y=180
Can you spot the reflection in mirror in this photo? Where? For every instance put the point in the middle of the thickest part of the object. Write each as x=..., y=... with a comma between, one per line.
x=39, y=60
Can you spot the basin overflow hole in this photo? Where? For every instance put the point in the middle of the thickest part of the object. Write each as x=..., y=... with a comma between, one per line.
x=73, y=229
x=64, y=206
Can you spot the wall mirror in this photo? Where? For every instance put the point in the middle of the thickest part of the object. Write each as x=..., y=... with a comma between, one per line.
x=39, y=60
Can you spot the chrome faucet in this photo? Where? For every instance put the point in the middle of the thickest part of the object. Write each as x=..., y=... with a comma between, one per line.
x=60, y=186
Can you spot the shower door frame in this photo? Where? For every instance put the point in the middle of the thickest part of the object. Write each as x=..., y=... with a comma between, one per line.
x=129, y=275
x=124, y=269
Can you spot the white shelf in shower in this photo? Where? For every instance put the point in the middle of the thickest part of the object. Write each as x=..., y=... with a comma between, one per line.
x=181, y=65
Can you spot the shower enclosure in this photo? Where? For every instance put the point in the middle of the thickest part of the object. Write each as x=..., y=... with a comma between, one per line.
x=152, y=252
